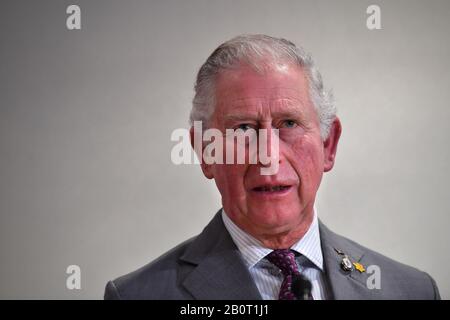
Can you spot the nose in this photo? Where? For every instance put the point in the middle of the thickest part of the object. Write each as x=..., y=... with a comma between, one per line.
x=268, y=150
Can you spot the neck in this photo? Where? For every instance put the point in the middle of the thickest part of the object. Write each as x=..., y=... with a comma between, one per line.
x=284, y=240
x=279, y=237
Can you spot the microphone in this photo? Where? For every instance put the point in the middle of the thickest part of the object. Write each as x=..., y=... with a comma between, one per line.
x=301, y=287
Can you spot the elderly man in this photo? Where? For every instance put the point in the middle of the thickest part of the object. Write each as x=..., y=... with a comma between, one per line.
x=267, y=241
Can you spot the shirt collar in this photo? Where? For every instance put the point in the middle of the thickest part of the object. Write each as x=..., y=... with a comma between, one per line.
x=253, y=251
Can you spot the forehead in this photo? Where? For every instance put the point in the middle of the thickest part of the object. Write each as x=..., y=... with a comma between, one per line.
x=243, y=90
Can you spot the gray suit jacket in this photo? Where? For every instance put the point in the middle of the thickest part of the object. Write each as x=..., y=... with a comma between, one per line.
x=209, y=266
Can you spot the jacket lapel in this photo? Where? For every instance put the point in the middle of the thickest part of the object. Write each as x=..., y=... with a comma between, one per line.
x=218, y=269
x=214, y=269
x=345, y=285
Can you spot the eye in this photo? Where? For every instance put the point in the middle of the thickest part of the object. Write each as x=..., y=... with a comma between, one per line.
x=289, y=124
x=243, y=126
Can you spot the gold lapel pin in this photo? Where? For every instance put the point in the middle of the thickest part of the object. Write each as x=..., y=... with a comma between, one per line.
x=359, y=267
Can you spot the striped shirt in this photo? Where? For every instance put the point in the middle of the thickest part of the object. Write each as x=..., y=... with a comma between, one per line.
x=268, y=277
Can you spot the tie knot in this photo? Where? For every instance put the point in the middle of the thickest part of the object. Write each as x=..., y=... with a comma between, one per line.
x=284, y=259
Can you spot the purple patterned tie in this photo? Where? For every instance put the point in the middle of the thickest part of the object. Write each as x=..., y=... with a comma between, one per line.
x=284, y=259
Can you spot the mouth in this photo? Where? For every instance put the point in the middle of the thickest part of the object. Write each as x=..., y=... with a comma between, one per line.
x=271, y=189
x=271, y=192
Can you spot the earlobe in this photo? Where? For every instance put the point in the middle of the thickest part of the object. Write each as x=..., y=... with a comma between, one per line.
x=207, y=171
x=330, y=144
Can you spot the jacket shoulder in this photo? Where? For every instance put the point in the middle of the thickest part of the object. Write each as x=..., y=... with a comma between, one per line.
x=155, y=280
x=397, y=280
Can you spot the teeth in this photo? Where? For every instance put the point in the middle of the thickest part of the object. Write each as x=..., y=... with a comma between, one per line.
x=271, y=189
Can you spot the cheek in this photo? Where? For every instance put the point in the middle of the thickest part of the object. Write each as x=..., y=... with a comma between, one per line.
x=230, y=180
x=307, y=161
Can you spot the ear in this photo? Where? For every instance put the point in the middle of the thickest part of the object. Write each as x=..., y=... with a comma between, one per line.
x=206, y=168
x=330, y=145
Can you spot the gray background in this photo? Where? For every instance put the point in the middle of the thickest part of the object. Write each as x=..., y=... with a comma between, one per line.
x=86, y=118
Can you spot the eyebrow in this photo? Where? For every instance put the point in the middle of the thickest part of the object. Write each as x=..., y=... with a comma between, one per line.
x=240, y=117
x=292, y=112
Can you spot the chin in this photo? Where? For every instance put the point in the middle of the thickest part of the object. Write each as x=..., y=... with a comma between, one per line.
x=273, y=217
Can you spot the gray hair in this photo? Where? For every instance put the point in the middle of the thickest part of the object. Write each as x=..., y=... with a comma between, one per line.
x=254, y=50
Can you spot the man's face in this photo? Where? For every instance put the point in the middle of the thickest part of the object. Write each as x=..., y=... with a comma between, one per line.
x=279, y=99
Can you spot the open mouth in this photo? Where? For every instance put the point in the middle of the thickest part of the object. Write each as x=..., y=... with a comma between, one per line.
x=279, y=188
